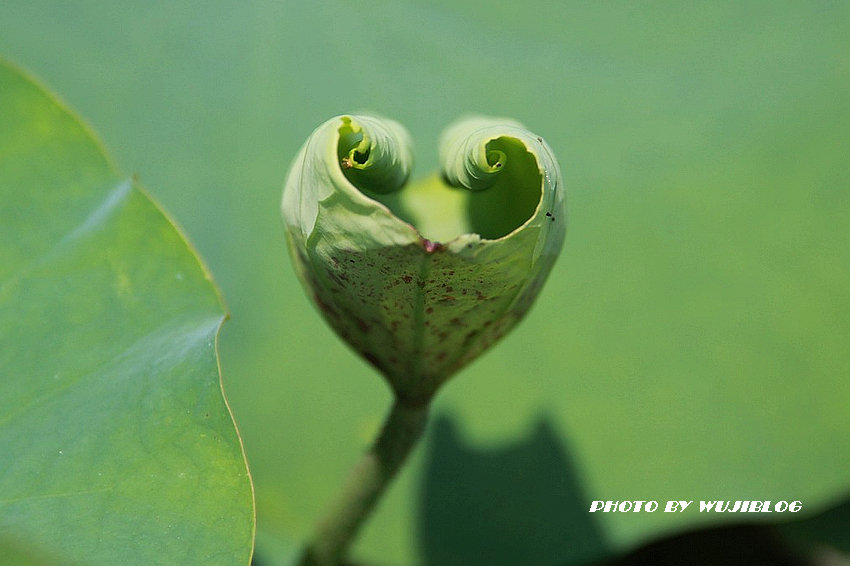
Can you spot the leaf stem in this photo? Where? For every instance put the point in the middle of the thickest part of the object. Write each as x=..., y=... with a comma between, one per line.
x=366, y=482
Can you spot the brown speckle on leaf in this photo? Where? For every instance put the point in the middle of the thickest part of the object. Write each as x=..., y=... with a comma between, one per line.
x=333, y=277
x=325, y=307
x=361, y=324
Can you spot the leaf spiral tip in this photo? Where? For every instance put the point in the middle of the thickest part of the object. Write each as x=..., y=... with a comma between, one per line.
x=374, y=153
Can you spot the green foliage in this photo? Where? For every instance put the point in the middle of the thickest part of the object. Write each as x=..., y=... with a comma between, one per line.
x=691, y=341
x=115, y=441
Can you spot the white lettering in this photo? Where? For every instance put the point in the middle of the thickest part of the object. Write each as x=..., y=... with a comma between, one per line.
x=674, y=506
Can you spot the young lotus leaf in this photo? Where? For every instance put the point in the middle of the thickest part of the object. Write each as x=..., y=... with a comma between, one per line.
x=421, y=278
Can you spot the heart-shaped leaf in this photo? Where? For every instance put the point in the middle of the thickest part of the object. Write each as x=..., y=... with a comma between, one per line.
x=116, y=446
x=365, y=243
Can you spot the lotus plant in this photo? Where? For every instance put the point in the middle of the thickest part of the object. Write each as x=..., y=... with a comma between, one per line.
x=419, y=278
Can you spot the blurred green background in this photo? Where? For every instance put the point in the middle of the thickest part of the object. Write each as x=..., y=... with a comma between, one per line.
x=692, y=342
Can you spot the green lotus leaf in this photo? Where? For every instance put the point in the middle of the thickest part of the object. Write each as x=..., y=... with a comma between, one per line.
x=420, y=278
x=116, y=444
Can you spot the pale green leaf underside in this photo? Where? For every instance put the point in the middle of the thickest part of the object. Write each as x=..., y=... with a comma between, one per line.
x=422, y=278
x=115, y=441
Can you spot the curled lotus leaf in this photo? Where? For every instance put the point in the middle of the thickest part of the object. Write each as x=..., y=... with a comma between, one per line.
x=420, y=278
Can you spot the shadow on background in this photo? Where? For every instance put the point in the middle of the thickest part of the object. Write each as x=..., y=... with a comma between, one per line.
x=522, y=504
x=514, y=505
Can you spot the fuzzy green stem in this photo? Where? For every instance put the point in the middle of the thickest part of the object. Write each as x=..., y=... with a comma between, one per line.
x=365, y=484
